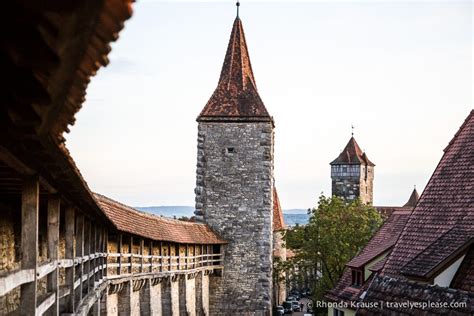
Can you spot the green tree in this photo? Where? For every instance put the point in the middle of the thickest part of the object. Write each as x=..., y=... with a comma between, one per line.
x=336, y=232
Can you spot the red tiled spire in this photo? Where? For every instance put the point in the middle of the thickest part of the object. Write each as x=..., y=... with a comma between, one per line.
x=352, y=155
x=236, y=97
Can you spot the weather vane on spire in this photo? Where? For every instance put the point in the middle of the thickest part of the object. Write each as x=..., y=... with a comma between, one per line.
x=238, y=5
x=352, y=127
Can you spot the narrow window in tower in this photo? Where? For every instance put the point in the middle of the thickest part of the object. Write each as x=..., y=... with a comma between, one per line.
x=230, y=150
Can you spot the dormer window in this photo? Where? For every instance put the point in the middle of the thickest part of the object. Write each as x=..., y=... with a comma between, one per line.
x=356, y=278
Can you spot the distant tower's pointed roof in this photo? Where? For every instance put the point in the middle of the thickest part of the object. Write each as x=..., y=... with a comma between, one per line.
x=236, y=97
x=413, y=199
x=352, y=155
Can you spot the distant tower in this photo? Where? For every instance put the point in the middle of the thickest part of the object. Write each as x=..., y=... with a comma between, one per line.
x=234, y=184
x=352, y=174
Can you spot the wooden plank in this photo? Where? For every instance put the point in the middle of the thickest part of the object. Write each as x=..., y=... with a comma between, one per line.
x=105, y=250
x=98, y=249
x=161, y=256
x=29, y=242
x=14, y=279
x=53, y=250
x=120, y=249
x=141, y=254
x=150, y=252
x=49, y=301
x=169, y=254
x=130, y=259
x=69, y=255
x=87, y=252
x=46, y=269
x=80, y=250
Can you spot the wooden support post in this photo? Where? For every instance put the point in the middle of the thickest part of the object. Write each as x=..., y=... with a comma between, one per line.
x=29, y=242
x=170, y=267
x=202, y=254
x=87, y=252
x=94, y=252
x=119, y=245
x=194, y=255
x=105, y=250
x=98, y=250
x=53, y=249
x=141, y=254
x=151, y=256
x=69, y=254
x=80, y=250
x=130, y=259
x=161, y=256
x=178, y=254
x=186, y=255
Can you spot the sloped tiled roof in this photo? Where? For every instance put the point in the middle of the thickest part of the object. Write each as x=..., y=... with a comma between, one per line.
x=236, y=97
x=383, y=241
x=446, y=248
x=127, y=219
x=278, y=221
x=446, y=202
x=401, y=291
x=352, y=155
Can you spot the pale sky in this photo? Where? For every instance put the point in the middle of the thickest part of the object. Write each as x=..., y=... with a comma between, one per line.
x=400, y=71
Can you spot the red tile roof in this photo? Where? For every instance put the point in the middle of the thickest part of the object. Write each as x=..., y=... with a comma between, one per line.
x=278, y=221
x=236, y=97
x=446, y=203
x=381, y=242
x=129, y=220
x=400, y=291
x=443, y=250
x=352, y=155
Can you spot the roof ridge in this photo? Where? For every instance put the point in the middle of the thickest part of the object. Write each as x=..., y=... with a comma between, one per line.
x=132, y=209
x=466, y=120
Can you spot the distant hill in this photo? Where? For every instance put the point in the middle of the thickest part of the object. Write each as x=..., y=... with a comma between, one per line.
x=293, y=219
x=291, y=216
x=168, y=211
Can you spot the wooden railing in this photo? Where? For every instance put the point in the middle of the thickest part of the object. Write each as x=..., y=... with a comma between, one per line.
x=96, y=276
x=166, y=263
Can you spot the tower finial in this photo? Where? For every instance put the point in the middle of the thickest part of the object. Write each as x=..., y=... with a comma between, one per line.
x=238, y=5
x=352, y=127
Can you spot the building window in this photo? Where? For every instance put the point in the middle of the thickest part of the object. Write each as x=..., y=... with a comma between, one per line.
x=230, y=150
x=338, y=312
x=356, y=278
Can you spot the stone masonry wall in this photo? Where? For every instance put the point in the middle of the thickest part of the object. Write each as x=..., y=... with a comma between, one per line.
x=355, y=187
x=279, y=253
x=234, y=197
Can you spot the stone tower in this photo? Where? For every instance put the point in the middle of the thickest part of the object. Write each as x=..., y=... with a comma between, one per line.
x=352, y=174
x=234, y=184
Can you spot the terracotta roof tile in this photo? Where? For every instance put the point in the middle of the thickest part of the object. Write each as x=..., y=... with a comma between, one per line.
x=236, y=97
x=446, y=203
x=447, y=247
x=384, y=289
x=129, y=220
x=278, y=221
x=352, y=155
